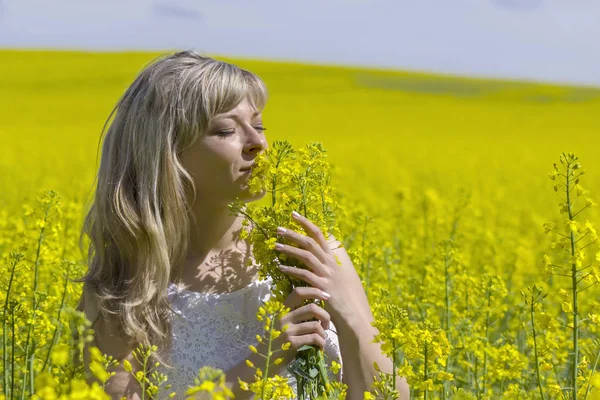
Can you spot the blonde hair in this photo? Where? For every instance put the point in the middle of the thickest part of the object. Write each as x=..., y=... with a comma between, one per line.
x=139, y=221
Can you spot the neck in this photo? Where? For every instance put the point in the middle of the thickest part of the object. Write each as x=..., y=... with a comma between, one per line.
x=217, y=259
x=213, y=230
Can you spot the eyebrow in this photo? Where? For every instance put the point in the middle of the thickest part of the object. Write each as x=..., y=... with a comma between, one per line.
x=235, y=116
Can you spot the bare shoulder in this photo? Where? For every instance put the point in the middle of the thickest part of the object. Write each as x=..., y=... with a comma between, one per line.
x=110, y=342
x=107, y=336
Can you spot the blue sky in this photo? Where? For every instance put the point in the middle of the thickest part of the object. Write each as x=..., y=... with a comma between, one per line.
x=543, y=40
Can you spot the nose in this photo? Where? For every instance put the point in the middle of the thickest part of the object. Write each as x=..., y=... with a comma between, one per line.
x=256, y=141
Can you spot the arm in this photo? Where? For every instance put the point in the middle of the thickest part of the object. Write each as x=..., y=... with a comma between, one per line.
x=357, y=333
x=330, y=269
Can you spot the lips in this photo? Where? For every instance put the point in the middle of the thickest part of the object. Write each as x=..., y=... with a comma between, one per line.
x=247, y=168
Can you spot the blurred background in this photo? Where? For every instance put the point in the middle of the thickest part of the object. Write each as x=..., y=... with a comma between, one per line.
x=405, y=95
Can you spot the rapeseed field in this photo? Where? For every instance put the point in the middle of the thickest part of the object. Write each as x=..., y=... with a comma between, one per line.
x=467, y=207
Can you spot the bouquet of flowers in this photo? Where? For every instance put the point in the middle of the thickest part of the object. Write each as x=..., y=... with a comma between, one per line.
x=294, y=180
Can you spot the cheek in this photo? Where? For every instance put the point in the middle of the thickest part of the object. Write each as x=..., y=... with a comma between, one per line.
x=211, y=163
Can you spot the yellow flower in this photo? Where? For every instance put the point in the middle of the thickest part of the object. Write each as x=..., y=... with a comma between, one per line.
x=99, y=372
x=60, y=356
x=595, y=380
x=207, y=386
x=335, y=367
x=243, y=385
x=368, y=396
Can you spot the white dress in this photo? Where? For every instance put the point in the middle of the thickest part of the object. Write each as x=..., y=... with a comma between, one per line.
x=216, y=330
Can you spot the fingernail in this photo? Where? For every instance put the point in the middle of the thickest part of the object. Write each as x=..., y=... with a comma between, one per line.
x=281, y=230
x=278, y=246
x=282, y=267
x=325, y=294
x=295, y=214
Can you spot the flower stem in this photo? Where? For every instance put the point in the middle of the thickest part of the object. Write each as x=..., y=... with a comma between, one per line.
x=574, y=287
x=322, y=370
x=28, y=357
x=12, y=355
x=4, y=328
x=268, y=357
x=487, y=329
x=425, y=372
x=447, y=319
x=535, y=350
x=394, y=363
x=55, y=333
x=587, y=390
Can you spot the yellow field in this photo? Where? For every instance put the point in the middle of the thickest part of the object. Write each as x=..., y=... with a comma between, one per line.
x=430, y=158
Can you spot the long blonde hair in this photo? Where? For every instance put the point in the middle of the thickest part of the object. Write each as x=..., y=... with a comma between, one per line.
x=139, y=221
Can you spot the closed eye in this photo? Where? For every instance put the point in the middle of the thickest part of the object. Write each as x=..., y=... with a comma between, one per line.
x=226, y=133
x=229, y=132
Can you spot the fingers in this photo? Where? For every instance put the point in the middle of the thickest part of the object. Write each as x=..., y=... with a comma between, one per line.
x=306, y=324
x=306, y=257
x=306, y=243
x=313, y=231
x=307, y=328
x=307, y=313
x=295, y=299
x=313, y=339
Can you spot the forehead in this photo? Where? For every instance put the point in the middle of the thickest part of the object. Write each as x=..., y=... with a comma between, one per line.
x=243, y=110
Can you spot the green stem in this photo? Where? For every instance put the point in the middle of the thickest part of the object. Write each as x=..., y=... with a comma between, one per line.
x=447, y=297
x=273, y=192
x=143, y=382
x=268, y=358
x=4, y=353
x=322, y=370
x=394, y=363
x=487, y=339
x=425, y=372
x=574, y=287
x=55, y=333
x=245, y=214
x=447, y=319
x=535, y=350
x=31, y=357
x=12, y=355
x=4, y=328
x=587, y=389
x=476, y=377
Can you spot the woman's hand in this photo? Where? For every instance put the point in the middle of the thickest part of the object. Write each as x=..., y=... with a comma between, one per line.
x=306, y=324
x=348, y=300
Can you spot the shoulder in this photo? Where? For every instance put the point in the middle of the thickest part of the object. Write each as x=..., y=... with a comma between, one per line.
x=108, y=339
x=107, y=335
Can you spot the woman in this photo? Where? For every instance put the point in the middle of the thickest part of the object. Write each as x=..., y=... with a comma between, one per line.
x=166, y=263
